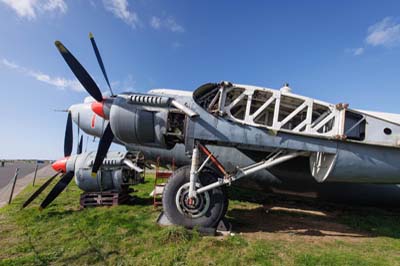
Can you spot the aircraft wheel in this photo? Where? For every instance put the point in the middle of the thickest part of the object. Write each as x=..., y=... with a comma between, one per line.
x=206, y=211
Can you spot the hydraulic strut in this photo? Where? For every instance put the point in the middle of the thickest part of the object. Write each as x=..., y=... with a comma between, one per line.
x=273, y=159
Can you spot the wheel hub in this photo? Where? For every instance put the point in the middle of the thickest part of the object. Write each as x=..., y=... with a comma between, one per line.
x=192, y=207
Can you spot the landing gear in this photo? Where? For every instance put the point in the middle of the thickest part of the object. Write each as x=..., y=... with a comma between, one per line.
x=204, y=210
x=195, y=195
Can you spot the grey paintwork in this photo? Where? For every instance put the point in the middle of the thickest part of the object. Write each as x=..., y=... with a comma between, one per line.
x=112, y=175
x=361, y=163
x=293, y=176
x=366, y=164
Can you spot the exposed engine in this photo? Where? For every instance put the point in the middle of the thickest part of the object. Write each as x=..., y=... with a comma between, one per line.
x=118, y=171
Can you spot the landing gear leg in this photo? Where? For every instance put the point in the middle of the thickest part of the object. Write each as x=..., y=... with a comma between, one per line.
x=193, y=197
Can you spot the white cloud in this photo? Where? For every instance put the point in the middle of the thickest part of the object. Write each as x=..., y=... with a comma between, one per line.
x=59, y=82
x=52, y=5
x=176, y=45
x=384, y=33
x=120, y=9
x=24, y=8
x=9, y=64
x=92, y=3
x=155, y=22
x=356, y=51
x=30, y=8
x=171, y=24
x=127, y=85
x=168, y=23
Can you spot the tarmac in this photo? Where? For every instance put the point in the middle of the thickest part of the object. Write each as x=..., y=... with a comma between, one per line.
x=25, y=177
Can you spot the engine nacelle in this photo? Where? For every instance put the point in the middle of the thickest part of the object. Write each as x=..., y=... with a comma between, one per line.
x=119, y=171
x=146, y=121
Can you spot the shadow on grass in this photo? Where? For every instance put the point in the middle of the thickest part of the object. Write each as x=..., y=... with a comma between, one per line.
x=378, y=222
x=60, y=213
x=284, y=221
x=311, y=217
x=139, y=201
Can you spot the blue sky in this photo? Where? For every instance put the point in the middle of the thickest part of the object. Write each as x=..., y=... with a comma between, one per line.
x=336, y=51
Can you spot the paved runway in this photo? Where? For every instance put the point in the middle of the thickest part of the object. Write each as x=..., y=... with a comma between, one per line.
x=7, y=172
x=25, y=177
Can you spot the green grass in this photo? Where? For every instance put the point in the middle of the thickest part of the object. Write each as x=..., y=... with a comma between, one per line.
x=128, y=235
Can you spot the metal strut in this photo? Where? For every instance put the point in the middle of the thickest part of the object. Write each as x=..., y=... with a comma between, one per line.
x=272, y=160
x=195, y=169
x=213, y=159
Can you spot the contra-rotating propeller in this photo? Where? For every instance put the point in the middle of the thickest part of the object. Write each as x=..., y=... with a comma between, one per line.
x=91, y=87
x=61, y=167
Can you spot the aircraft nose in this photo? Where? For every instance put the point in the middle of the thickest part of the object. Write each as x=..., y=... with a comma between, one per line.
x=60, y=165
x=98, y=108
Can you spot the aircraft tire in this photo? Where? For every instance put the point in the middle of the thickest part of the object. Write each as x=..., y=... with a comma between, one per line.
x=209, y=209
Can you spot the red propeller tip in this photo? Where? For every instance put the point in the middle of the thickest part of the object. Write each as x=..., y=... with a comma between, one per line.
x=97, y=108
x=60, y=165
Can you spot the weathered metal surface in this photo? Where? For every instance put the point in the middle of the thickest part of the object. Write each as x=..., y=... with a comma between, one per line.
x=283, y=111
x=359, y=141
x=113, y=175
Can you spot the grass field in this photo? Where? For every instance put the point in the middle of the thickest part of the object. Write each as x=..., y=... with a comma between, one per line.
x=270, y=232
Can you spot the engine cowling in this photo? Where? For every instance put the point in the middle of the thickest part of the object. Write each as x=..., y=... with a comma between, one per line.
x=145, y=120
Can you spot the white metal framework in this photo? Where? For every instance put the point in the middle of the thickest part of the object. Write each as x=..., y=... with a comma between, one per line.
x=281, y=110
x=278, y=110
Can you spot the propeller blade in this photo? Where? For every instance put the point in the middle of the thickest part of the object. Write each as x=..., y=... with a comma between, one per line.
x=80, y=146
x=104, y=144
x=80, y=72
x=98, y=56
x=57, y=189
x=39, y=190
x=68, y=136
x=79, y=150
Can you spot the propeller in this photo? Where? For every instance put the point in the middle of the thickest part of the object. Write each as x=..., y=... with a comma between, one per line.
x=39, y=190
x=91, y=87
x=83, y=76
x=105, y=141
x=60, y=166
x=80, y=143
x=80, y=146
x=100, y=61
x=80, y=72
x=57, y=189
x=104, y=144
x=68, y=136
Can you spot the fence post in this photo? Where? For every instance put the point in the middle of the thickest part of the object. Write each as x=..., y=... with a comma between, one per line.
x=34, y=176
x=13, y=186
